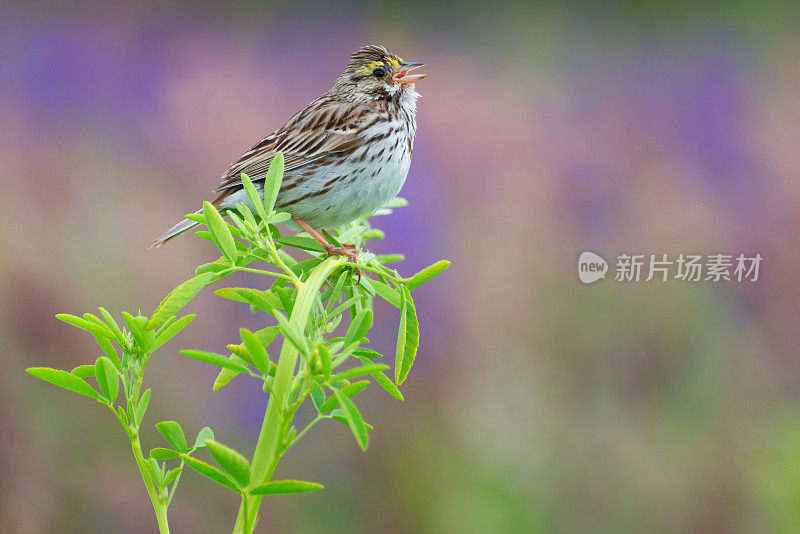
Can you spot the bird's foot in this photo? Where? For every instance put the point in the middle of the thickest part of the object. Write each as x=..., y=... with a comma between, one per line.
x=350, y=252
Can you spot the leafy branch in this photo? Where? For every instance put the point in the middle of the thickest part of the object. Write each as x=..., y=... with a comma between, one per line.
x=317, y=363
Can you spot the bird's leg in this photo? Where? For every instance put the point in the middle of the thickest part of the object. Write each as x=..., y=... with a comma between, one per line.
x=345, y=250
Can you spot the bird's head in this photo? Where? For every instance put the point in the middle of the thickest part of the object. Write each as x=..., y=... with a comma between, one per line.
x=374, y=74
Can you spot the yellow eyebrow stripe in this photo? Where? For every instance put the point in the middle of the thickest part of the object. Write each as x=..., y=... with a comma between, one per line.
x=372, y=65
x=369, y=67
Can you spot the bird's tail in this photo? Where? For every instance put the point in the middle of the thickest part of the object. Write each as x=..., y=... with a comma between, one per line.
x=176, y=230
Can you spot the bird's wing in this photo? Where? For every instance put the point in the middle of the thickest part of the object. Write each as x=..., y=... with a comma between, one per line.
x=324, y=127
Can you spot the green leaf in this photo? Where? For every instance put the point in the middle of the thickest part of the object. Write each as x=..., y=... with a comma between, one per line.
x=255, y=198
x=331, y=238
x=258, y=355
x=162, y=453
x=84, y=371
x=107, y=378
x=223, y=379
x=337, y=291
x=350, y=390
x=359, y=371
x=372, y=233
x=335, y=344
x=205, y=434
x=339, y=415
x=247, y=222
x=155, y=471
x=262, y=300
x=96, y=320
x=426, y=274
x=318, y=398
x=366, y=352
x=238, y=229
x=123, y=416
x=324, y=360
x=164, y=325
x=272, y=182
x=390, y=258
x=85, y=325
x=231, y=461
x=112, y=324
x=219, y=231
x=230, y=294
x=63, y=379
x=178, y=298
x=349, y=303
x=388, y=385
x=396, y=202
x=173, y=433
x=383, y=380
x=226, y=375
x=134, y=325
x=334, y=323
x=141, y=407
x=214, y=359
x=282, y=254
x=291, y=333
x=351, y=234
x=172, y=474
x=280, y=217
x=211, y=472
x=286, y=300
x=389, y=294
x=109, y=350
x=354, y=419
x=214, y=267
x=267, y=335
x=367, y=285
x=407, y=338
x=358, y=328
x=305, y=243
x=285, y=486
x=170, y=331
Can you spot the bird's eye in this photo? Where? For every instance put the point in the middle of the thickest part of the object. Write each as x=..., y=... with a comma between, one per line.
x=378, y=73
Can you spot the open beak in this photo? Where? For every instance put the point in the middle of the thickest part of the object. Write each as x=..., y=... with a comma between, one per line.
x=403, y=77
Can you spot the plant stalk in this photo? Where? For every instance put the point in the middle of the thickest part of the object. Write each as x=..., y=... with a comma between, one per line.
x=158, y=506
x=268, y=447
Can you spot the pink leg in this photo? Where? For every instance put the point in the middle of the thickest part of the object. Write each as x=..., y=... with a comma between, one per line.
x=346, y=250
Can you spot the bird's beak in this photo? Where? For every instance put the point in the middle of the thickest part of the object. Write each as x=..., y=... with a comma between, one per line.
x=402, y=76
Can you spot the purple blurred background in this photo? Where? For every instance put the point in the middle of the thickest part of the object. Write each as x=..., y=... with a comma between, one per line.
x=537, y=404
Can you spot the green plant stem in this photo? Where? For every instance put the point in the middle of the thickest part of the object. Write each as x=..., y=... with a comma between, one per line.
x=308, y=427
x=158, y=506
x=268, y=447
x=263, y=272
x=279, y=260
x=175, y=484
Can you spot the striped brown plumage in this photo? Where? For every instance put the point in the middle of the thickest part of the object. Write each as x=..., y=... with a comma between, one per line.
x=345, y=154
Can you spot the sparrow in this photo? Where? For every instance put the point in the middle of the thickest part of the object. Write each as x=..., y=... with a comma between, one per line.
x=346, y=154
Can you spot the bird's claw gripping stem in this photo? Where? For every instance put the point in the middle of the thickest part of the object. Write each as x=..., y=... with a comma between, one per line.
x=350, y=252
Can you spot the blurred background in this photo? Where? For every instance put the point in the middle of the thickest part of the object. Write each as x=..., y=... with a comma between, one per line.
x=537, y=403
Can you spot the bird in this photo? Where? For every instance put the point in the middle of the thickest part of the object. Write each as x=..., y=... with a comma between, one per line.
x=346, y=154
